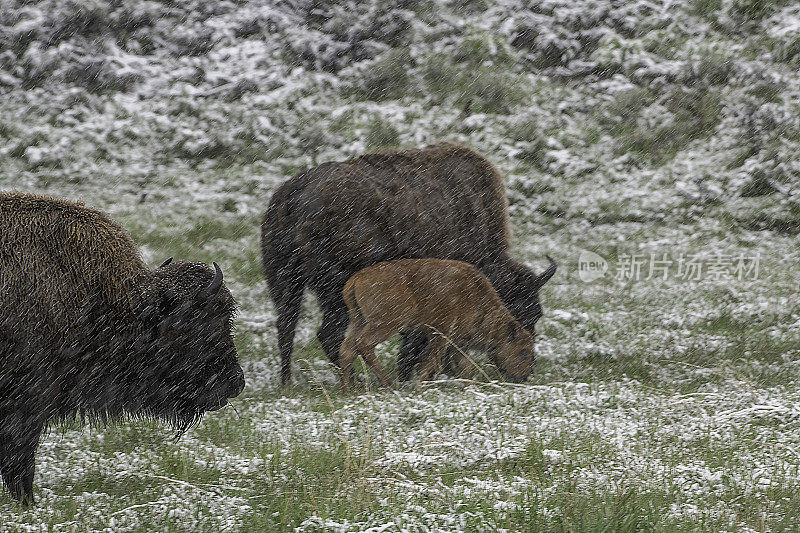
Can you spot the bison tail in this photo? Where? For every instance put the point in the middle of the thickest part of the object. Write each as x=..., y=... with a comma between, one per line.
x=285, y=280
x=280, y=255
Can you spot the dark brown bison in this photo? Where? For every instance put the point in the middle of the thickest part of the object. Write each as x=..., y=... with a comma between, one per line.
x=448, y=301
x=87, y=330
x=325, y=224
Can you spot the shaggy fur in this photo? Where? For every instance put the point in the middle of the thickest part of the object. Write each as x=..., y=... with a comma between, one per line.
x=87, y=330
x=443, y=201
x=450, y=301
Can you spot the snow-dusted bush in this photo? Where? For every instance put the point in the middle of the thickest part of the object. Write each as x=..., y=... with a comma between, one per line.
x=656, y=125
x=336, y=34
x=568, y=88
x=532, y=144
x=100, y=74
x=381, y=134
x=472, y=88
x=784, y=33
x=565, y=34
x=384, y=78
x=194, y=41
x=750, y=10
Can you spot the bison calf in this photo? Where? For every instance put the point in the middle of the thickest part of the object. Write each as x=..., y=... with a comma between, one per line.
x=87, y=330
x=447, y=300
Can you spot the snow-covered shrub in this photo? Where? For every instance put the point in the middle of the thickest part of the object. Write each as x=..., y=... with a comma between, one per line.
x=788, y=49
x=484, y=48
x=102, y=74
x=259, y=21
x=52, y=22
x=696, y=109
x=339, y=33
x=36, y=64
x=384, y=78
x=532, y=144
x=750, y=10
x=784, y=33
x=19, y=28
x=772, y=170
x=88, y=19
x=655, y=126
x=134, y=16
x=619, y=113
x=315, y=50
x=769, y=142
x=468, y=6
x=557, y=34
x=762, y=123
x=241, y=87
x=193, y=41
x=35, y=149
x=469, y=87
x=381, y=134
x=550, y=47
x=710, y=67
x=705, y=8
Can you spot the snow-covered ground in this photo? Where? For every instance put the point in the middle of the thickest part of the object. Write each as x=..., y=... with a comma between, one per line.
x=655, y=133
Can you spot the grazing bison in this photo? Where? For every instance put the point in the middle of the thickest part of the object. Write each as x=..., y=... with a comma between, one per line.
x=87, y=330
x=325, y=224
x=450, y=301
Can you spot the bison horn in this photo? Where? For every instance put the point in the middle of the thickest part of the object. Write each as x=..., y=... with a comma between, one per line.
x=216, y=283
x=547, y=274
x=165, y=263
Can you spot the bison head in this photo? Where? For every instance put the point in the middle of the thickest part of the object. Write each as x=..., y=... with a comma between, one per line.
x=515, y=356
x=193, y=365
x=518, y=286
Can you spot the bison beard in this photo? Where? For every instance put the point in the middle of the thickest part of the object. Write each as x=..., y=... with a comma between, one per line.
x=87, y=330
x=443, y=201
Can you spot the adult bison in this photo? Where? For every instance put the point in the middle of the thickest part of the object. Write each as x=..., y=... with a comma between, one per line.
x=87, y=330
x=444, y=201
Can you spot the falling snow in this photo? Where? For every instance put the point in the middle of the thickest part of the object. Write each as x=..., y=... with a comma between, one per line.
x=636, y=127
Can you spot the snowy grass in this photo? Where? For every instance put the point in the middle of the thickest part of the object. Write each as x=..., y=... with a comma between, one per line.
x=611, y=456
x=655, y=405
x=642, y=127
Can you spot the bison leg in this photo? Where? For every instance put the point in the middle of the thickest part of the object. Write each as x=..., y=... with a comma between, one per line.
x=413, y=344
x=377, y=368
x=363, y=343
x=288, y=311
x=19, y=438
x=465, y=364
x=347, y=357
x=432, y=360
x=286, y=283
x=334, y=325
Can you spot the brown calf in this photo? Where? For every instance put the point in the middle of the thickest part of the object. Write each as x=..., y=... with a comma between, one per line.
x=441, y=298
